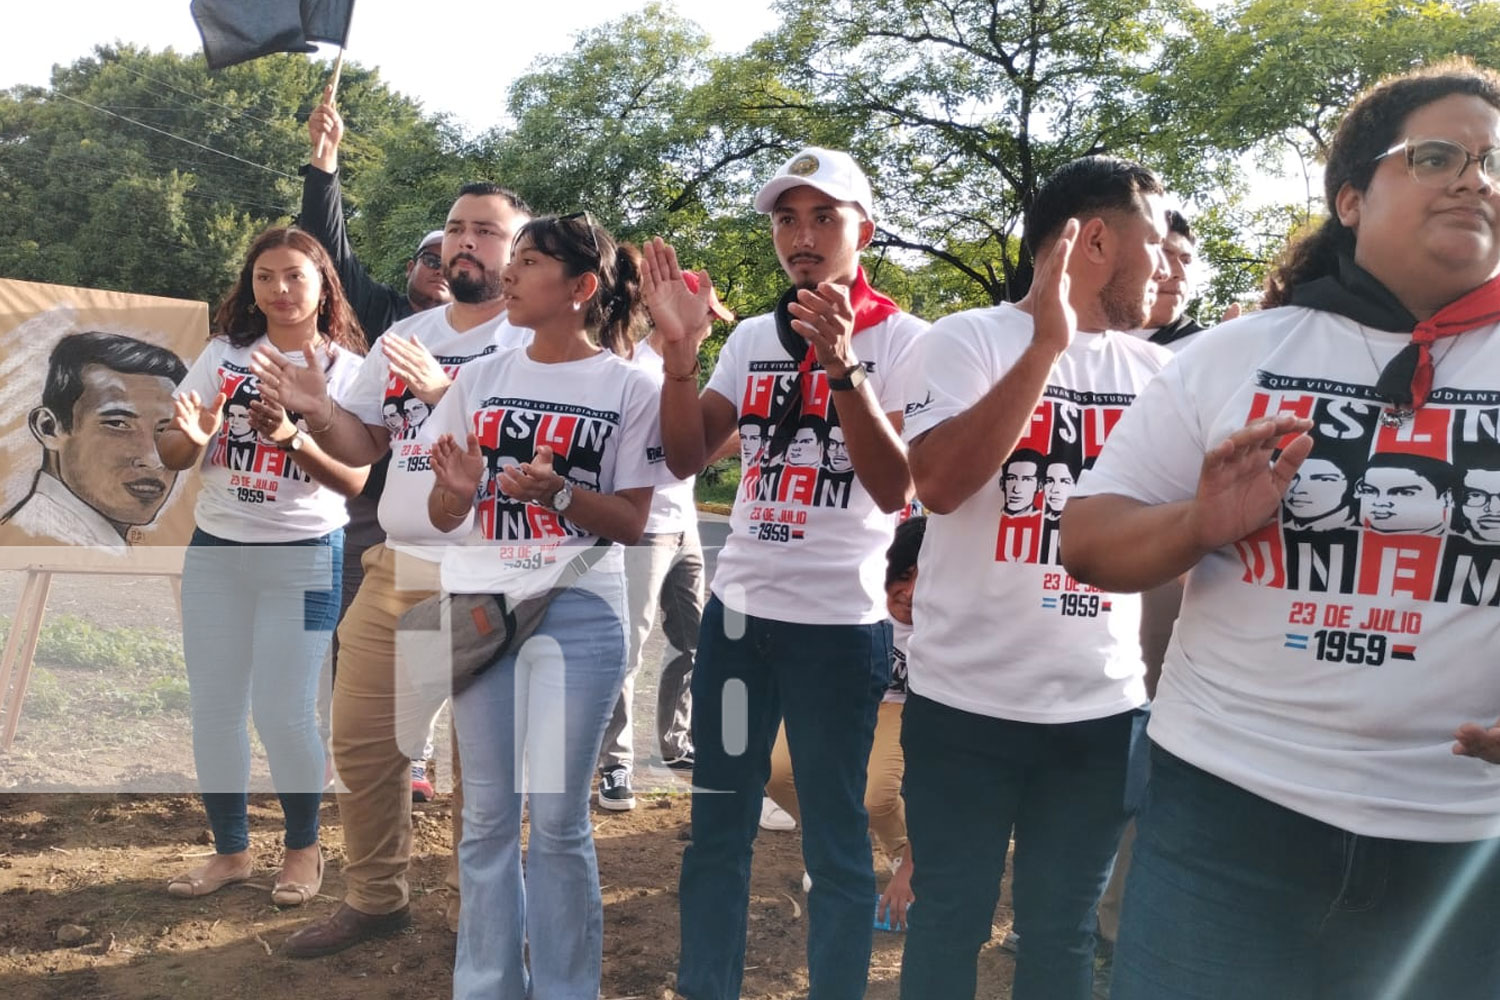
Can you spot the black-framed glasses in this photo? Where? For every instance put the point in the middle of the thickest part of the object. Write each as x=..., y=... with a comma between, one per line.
x=429, y=260
x=1439, y=162
x=1476, y=499
x=588, y=222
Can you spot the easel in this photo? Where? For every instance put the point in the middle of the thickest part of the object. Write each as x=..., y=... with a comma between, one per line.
x=26, y=626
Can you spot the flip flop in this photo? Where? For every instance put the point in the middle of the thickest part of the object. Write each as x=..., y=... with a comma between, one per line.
x=297, y=893
x=190, y=886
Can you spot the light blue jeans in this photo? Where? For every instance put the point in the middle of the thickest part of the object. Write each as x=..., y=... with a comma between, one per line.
x=543, y=710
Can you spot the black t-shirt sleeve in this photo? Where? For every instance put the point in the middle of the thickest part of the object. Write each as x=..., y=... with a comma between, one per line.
x=377, y=305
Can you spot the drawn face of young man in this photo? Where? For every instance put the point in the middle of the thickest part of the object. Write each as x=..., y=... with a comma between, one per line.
x=1481, y=500
x=108, y=458
x=391, y=416
x=1394, y=499
x=1020, y=483
x=836, y=453
x=1056, y=487
x=237, y=421
x=804, y=447
x=1317, y=490
x=751, y=439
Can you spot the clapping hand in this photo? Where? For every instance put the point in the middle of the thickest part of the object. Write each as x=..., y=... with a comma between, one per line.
x=825, y=317
x=533, y=481
x=198, y=423
x=677, y=313
x=1476, y=741
x=458, y=469
x=1054, y=319
x=414, y=364
x=283, y=382
x=1241, y=486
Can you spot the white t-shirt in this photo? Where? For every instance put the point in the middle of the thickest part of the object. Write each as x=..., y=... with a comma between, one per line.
x=1000, y=629
x=252, y=490
x=601, y=417
x=378, y=397
x=672, y=506
x=806, y=542
x=1325, y=661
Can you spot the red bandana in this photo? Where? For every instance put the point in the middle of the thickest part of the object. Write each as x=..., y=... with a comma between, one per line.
x=1480, y=307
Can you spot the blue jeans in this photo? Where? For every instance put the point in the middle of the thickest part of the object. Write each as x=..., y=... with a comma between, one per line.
x=972, y=782
x=257, y=620
x=542, y=708
x=1232, y=897
x=826, y=681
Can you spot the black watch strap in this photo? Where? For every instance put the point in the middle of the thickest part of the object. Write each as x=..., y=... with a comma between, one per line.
x=851, y=380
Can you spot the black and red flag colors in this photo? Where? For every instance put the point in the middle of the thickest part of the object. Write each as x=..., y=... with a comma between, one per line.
x=235, y=31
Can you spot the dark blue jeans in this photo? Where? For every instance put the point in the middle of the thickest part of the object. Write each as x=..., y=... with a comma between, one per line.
x=1232, y=897
x=257, y=620
x=826, y=681
x=972, y=782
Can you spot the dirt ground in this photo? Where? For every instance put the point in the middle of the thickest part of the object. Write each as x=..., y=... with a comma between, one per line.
x=84, y=915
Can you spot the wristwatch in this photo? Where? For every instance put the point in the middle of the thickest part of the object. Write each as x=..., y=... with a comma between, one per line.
x=295, y=442
x=559, y=501
x=852, y=378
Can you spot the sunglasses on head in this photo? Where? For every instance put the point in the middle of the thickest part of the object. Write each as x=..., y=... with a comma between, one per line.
x=588, y=223
x=1439, y=162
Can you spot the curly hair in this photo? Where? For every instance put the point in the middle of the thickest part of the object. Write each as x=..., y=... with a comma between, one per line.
x=1369, y=128
x=237, y=320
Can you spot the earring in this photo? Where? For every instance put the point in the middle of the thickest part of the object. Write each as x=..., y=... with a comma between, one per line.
x=577, y=306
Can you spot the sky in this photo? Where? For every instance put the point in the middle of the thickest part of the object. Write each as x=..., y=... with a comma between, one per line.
x=466, y=58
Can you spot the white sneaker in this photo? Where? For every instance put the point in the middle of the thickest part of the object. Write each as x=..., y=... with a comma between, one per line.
x=773, y=817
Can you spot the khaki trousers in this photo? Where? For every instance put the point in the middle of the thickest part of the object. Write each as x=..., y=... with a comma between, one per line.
x=882, y=786
x=372, y=728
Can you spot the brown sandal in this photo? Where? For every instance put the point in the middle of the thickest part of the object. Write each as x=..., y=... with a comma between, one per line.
x=297, y=893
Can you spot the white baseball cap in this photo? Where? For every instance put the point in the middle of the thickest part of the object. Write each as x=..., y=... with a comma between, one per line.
x=436, y=236
x=830, y=171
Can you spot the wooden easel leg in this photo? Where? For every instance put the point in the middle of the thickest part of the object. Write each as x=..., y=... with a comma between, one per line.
x=20, y=647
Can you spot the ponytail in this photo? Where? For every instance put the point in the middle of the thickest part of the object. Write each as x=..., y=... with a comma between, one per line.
x=621, y=314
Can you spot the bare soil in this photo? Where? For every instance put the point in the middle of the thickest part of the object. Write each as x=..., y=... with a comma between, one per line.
x=94, y=864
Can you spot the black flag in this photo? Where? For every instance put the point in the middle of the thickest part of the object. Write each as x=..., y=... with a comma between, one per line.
x=237, y=30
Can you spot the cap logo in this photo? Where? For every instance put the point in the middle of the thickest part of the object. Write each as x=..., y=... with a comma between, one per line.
x=803, y=166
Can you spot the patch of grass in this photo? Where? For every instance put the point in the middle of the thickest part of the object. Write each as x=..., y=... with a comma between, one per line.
x=719, y=482
x=70, y=641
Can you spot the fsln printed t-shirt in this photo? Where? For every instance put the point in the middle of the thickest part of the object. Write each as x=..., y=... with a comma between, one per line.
x=807, y=542
x=601, y=418
x=377, y=396
x=672, y=506
x=999, y=627
x=252, y=490
x=900, y=640
x=1324, y=661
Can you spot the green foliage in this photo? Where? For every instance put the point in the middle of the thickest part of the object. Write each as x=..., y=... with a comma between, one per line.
x=69, y=641
x=143, y=172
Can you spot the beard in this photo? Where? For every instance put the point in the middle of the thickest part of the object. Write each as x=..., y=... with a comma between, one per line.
x=470, y=288
x=1125, y=307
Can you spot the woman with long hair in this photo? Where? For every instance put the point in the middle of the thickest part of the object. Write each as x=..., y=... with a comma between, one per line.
x=555, y=448
x=260, y=592
x=1324, y=806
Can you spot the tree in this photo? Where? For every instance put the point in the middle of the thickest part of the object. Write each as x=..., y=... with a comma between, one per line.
x=144, y=172
x=963, y=107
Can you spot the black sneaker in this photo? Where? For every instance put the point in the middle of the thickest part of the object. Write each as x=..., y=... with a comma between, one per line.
x=614, y=789
x=682, y=762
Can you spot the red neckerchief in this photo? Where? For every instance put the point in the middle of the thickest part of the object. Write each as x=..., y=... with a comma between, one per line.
x=1480, y=307
x=870, y=308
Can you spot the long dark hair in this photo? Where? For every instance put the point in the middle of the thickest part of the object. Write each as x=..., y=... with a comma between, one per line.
x=243, y=325
x=1370, y=127
x=615, y=313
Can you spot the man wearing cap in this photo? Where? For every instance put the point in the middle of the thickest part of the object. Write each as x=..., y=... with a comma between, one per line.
x=378, y=306
x=664, y=570
x=796, y=625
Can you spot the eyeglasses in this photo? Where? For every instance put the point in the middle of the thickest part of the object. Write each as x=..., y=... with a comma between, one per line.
x=1438, y=162
x=588, y=223
x=1478, y=499
x=431, y=261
